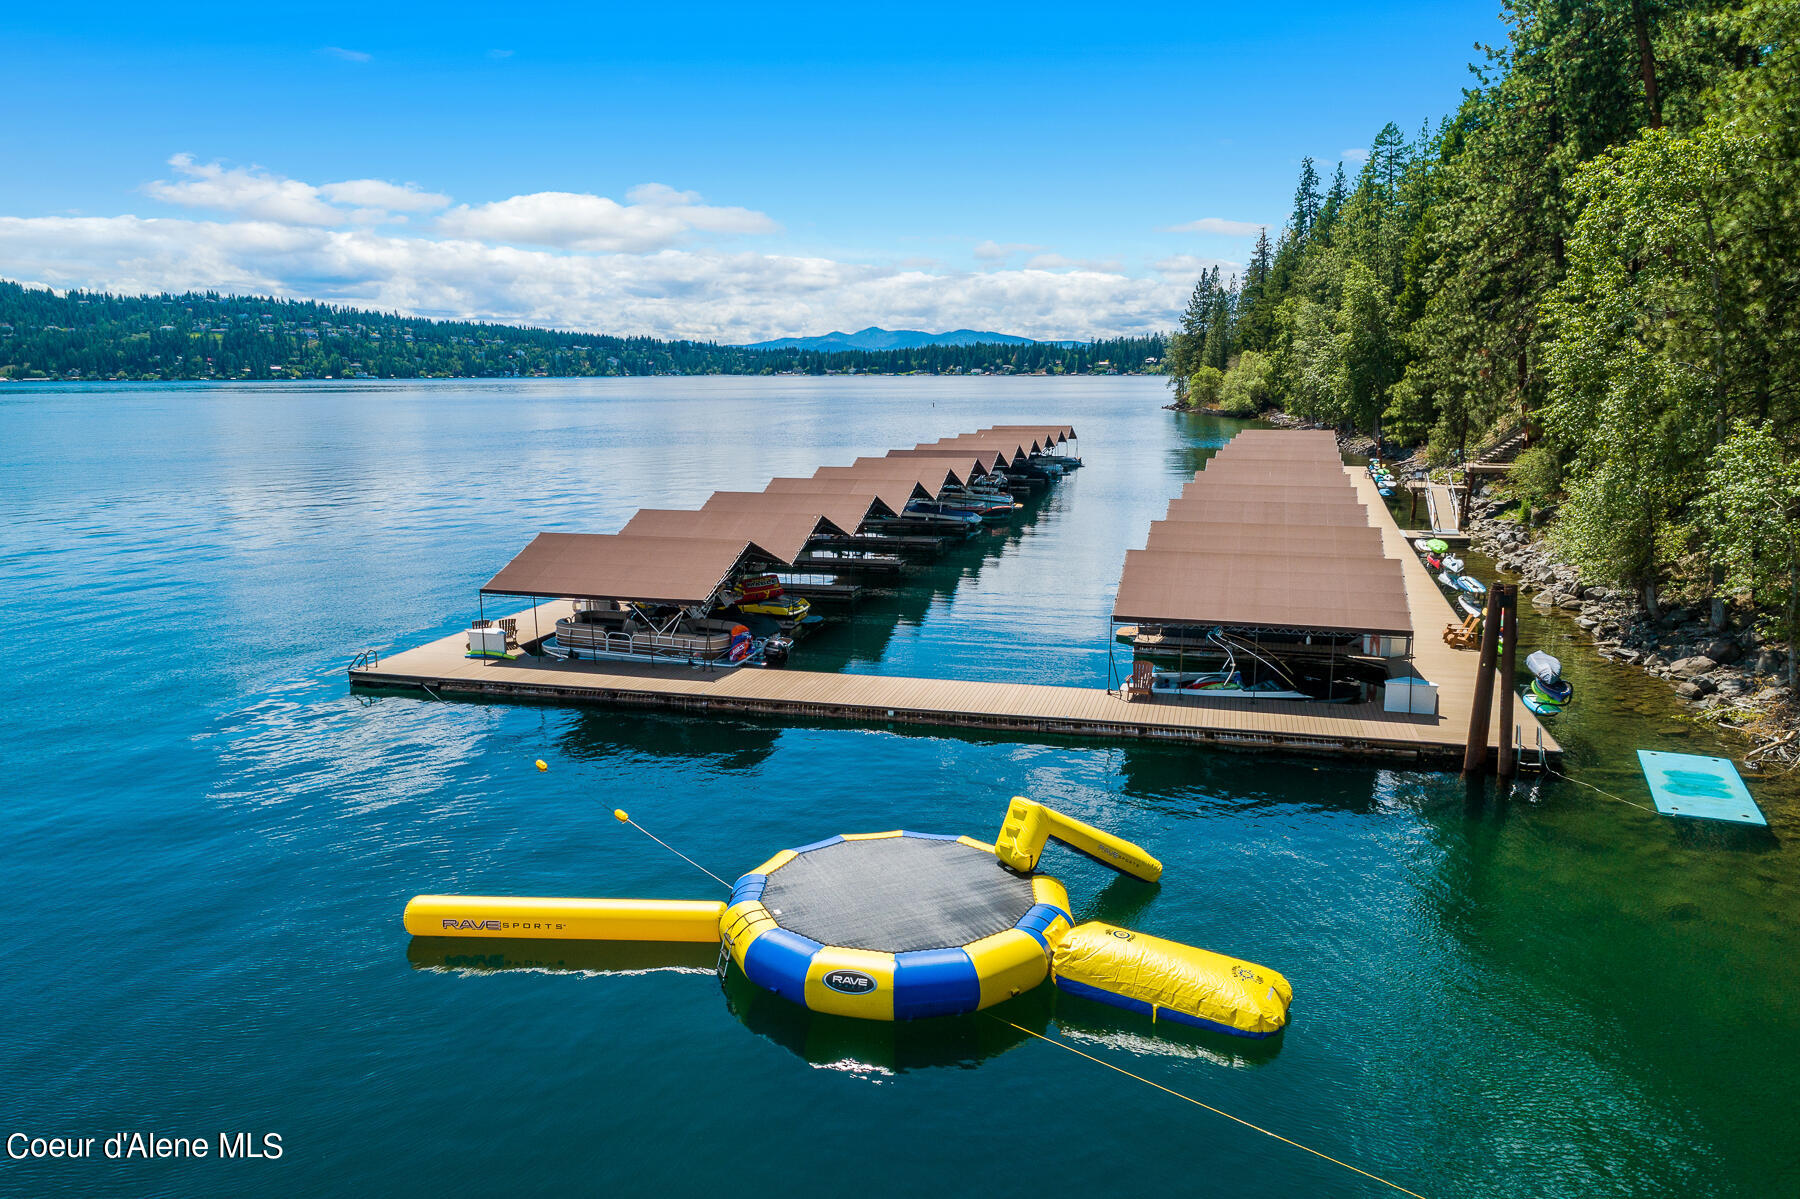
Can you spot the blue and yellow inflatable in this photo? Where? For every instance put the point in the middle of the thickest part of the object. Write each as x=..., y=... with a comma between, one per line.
x=902, y=925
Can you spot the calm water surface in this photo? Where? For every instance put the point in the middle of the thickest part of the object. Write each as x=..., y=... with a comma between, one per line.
x=210, y=841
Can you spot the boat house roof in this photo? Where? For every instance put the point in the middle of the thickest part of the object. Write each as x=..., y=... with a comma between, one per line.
x=1270, y=535
x=1346, y=593
x=892, y=494
x=623, y=566
x=779, y=536
x=842, y=512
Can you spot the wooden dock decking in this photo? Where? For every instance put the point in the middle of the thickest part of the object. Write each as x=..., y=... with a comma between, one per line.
x=1445, y=509
x=441, y=668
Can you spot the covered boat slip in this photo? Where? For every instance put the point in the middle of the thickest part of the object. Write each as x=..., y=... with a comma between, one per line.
x=1282, y=513
x=442, y=668
x=780, y=536
x=1230, y=537
x=684, y=562
x=1268, y=561
x=684, y=571
x=1262, y=589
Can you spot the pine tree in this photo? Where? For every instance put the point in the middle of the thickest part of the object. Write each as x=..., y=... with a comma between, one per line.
x=1306, y=202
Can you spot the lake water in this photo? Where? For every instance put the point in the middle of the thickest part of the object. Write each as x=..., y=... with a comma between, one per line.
x=210, y=840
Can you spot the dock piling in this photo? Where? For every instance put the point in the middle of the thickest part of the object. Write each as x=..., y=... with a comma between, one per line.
x=1508, y=596
x=1481, y=704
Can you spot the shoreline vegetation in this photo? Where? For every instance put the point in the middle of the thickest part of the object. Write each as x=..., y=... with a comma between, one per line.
x=1597, y=256
x=200, y=336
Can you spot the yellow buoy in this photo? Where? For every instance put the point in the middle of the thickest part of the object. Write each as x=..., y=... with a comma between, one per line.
x=542, y=765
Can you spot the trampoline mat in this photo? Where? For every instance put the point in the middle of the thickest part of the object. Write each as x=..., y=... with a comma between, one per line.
x=896, y=895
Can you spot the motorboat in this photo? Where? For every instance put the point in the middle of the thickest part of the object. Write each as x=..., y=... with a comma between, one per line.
x=1433, y=561
x=1423, y=545
x=635, y=633
x=943, y=509
x=984, y=506
x=1453, y=564
x=1218, y=684
x=762, y=595
x=1228, y=681
x=1447, y=579
x=1469, y=604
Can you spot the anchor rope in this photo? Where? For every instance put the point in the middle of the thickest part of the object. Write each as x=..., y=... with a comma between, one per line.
x=1209, y=1107
x=1548, y=769
x=697, y=866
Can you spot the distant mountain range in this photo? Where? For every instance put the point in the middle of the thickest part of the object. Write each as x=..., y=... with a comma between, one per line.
x=873, y=338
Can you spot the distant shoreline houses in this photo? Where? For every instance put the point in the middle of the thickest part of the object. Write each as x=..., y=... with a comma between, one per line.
x=205, y=336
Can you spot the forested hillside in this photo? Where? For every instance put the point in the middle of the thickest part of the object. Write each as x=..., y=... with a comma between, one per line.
x=92, y=335
x=1603, y=245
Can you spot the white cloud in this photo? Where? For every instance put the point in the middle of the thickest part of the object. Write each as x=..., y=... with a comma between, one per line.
x=380, y=194
x=1059, y=262
x=262, y=195
x=994, y=251
x=1189, y=266
x=1214, y=224
x=1355, y=155
x=339, y=52
x=657, y=216
x=641, y=266
x=250, y=191
x=706, y=293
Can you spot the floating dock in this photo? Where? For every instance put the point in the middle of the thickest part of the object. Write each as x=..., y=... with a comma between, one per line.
x=442, y=668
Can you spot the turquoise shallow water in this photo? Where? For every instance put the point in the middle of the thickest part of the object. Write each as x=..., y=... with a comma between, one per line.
x=210, y=841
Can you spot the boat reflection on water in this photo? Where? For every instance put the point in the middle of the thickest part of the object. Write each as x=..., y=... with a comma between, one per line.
x=869, y=1048
x=494, y=955
x=881, y=1048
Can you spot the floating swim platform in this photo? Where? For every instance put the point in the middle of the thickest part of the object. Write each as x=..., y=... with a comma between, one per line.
x=893, y=926
x=899, y=925
x=1698, y=787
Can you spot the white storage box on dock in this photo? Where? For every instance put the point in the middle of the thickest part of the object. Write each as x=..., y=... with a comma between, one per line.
x=487, y=641
x=1410, y=694
x=1381, y=645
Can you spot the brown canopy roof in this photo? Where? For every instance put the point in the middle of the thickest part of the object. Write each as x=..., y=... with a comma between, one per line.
x=842, y=512
x=933, y=474
x=985, y=461
x=1010, y=449
x=1346, y=593
x=1274, y=468
x=603, y=566
x=890, y=493
x=1270, y=535
x=1287, y=445
x=777, y=535
x=1228, y=537
x=1265, y=512
x=1297, y=490
x=1048, y=435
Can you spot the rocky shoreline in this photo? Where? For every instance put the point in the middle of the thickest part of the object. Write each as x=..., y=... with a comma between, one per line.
x=1731, y=675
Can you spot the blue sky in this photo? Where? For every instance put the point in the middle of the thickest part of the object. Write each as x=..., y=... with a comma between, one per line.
x=709, y=171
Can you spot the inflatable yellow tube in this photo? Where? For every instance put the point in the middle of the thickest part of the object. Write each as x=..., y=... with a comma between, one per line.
x=1028, y=825
x=535, y=918
x=1167, y=980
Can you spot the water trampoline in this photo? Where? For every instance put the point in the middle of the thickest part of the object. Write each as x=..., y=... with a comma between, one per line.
x=900, y=926
x=893, y=926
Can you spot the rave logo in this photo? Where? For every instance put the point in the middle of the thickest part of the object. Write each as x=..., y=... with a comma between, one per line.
x=849, y=982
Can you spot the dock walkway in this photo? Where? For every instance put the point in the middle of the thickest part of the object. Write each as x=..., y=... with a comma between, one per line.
x=1446, y=512
x=441, y=668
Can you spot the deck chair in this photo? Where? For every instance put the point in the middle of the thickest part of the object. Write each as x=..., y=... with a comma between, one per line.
x=1138, y=685
x=1463, y=636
